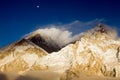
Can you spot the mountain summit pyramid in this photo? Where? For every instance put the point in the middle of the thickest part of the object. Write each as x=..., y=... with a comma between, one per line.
x=96, y=53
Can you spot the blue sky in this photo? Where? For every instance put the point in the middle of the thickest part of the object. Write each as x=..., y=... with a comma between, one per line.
x=19, y=17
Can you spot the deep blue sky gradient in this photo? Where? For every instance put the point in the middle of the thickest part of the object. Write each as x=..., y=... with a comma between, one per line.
x=19, y=17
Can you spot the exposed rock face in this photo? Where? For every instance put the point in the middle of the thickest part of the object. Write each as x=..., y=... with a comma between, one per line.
x=50, y=39
x=38, y=40
x=96, y=53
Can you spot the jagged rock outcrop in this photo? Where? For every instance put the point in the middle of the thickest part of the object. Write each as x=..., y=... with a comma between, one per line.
x=38, y=40
x=97, y=53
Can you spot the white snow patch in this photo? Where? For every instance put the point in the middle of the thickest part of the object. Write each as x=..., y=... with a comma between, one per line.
x=30, y=58
x=6, y=60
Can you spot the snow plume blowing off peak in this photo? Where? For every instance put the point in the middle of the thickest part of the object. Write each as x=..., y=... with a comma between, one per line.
x=53, y=39
x=103, y=28
x=56, y=35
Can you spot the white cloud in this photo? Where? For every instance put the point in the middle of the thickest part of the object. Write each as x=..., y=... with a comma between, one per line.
x=54, y=35
x=66, y=33
x=78, y=26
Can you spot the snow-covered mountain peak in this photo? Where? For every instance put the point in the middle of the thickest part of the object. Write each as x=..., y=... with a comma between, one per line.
x=96, y=52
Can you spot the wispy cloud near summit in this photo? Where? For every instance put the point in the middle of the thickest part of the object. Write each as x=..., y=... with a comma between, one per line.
x=66, y=33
